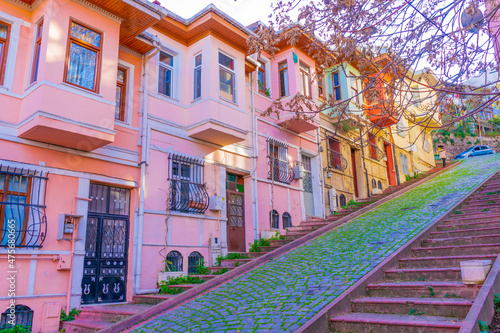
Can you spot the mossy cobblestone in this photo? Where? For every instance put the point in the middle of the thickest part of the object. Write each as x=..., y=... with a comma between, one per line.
x=284, y=293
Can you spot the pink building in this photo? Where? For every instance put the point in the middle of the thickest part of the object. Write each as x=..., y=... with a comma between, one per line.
x=132, y=137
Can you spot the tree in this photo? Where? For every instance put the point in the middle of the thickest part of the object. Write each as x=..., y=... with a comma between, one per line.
x=389, y=39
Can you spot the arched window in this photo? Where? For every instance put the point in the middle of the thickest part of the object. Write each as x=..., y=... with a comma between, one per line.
x=274, y=219
x=374, y=183
x=379, y=185
x=286, y=219
x=194, y=259
x=174, y=261
x=23, y=315
x=343, y=201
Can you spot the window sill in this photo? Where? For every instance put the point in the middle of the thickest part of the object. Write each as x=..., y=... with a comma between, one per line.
x=77, y=88
x=228, y=101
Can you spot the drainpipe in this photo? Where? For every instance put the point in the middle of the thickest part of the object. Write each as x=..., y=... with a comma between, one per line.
x=364, y=164
x=395, y=163
x=321, y=175
x=144, y=141
x=253, y=121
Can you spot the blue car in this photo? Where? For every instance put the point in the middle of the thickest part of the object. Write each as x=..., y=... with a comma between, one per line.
x=475, y=151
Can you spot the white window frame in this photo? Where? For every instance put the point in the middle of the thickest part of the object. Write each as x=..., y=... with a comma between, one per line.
x=231, y=71
x=305, y=75
x=197, y=71
x=172, y=75
x=10, y=65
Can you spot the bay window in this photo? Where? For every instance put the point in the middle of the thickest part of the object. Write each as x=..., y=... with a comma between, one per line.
x=305, y=79
x=226, y=77
x=36, y=52
x=4, y=44
x=166, y=71
x=283, y=78
x=84, y=57
x=197, y=76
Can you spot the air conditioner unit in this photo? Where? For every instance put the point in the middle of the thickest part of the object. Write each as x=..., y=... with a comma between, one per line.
x=216, y=203
x=298, y=172
x=332, y=199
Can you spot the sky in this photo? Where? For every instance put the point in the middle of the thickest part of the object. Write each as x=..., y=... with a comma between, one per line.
x=243, y=11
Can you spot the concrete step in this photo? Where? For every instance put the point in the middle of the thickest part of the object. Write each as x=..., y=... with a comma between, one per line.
x=422, y=289
x=440, y=262
x=84, y=326
x=234, y=262
x=448, y=307
x=456, y=250
x=280, y=242
x=218, y=268
x=184, y=287
x=465, y=232
x=424, y=274
x=320, y=224
x=267, y=249
x=466, y=226
x=465, y=240
x=294, y=237
x=375, y=323
x=151, y=299
x=111, y=313
x=473, y=218
x=299, y=229
x=296, y=233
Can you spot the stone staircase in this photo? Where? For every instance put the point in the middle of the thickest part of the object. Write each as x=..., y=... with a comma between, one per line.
x=425, y=293
x=94, y=318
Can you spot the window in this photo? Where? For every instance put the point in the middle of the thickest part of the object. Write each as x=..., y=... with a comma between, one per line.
x=354, y=89
x=287, y=220
x=372, y=146
x=283, y=78
x=274, y=219
x=195, y=259
x=425, y=145
x=188, y=193
x=174, y=262
x=36, y=52
x=305, y=79
x=379, y=185
x=374, y=183
x=343, y=201
x=226, y=77
x=415, y=96
x=165, y=79
x=197, y=76
x=4, y=44
x=121, y=85
x=336, y=87
x=261, y=78
x=23, y=317
x=277, y=153
x=334, y=155
x=321, y=92
x=404, y=164
x=22, y=207
x=84, y=58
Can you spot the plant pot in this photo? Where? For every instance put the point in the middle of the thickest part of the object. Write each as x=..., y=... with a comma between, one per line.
x=196, y=205
x=163, y=276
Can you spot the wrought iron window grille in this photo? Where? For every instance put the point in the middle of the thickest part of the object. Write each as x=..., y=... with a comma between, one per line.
x=24, y=318
x=174, y=261
x=375, y=152
x=274, y=219
x=286, y=220
x=22, y=207
x=279, y=168
x=194, y=260
x=188, y=192
x=336, y=160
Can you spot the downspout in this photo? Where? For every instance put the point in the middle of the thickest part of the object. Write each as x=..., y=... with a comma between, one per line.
x=395, y=159
x=253, y=120
x=364, y=164
x=144, y=140
x=321, y=175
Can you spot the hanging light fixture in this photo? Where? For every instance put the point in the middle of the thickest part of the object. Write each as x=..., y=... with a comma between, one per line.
x=472, y=21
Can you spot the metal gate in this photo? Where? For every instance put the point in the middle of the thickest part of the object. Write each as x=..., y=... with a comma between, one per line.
x=307, y=185
x=105, y=267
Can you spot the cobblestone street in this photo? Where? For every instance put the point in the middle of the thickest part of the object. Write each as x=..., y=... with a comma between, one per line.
x=283, y=294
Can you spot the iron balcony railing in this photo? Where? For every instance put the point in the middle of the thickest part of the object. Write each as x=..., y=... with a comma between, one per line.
x=375, y=152
x=22, y=207
x=188, y=197
x=336, y=160
x=280, y=171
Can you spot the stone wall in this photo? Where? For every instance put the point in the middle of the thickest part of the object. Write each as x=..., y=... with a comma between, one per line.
x=456, y=145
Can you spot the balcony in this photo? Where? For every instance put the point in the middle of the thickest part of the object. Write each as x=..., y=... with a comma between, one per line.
x=298, y=124
x=427, y=119
x=66, y=117
x=381, y=114
x=336, y=160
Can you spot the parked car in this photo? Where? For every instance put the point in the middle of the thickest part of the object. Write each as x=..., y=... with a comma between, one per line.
x=475, y=151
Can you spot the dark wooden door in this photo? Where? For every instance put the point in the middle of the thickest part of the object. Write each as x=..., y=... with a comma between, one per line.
x=354, y=172
x=235, y=213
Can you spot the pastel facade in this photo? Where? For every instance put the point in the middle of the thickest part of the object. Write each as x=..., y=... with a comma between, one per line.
x=133, y=138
